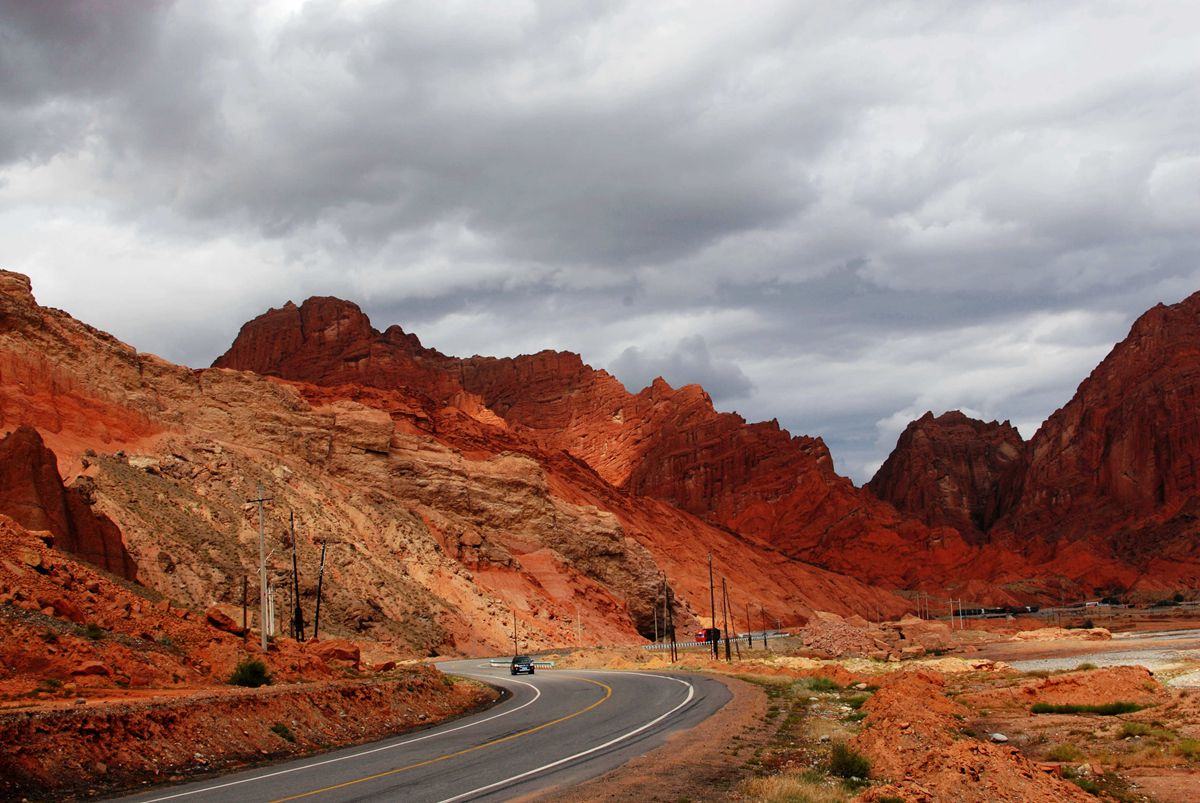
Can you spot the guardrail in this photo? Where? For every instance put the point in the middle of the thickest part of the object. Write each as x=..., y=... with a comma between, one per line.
x=683, y=645
x=542, y=664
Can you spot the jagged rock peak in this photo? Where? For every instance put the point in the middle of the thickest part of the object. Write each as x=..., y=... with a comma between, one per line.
x=954, y=470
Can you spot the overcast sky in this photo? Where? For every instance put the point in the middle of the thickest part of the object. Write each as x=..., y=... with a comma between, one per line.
x=837, y=214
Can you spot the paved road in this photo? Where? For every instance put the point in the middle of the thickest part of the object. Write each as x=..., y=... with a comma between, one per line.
x=560, y=727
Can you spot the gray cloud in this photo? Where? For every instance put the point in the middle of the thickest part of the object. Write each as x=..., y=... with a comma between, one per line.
x=689, y=362
x=839, y=216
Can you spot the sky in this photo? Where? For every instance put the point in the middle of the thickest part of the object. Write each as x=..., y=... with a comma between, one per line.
x=839, y=215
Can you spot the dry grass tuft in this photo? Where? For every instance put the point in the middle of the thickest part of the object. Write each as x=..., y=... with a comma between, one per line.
x=792, y=788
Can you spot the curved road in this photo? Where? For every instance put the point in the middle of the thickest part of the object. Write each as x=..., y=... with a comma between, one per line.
x=559, y=727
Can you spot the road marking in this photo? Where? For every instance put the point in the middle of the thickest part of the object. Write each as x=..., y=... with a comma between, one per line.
x=691, y=693
x=536, y=694
x=607, y=694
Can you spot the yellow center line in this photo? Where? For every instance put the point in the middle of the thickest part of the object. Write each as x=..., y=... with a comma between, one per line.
x=607, y=693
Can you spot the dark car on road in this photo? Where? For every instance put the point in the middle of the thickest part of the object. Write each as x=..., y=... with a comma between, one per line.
x=522, y=664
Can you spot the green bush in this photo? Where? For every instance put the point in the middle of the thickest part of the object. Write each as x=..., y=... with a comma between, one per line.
x=1064, y=752
x=1105, y=710
x=93, y=631
x=283, y=731
x=822, y=684
x=1189, y=749
x=250, y=672
x=1086, y=666
x=845, y=762
x=857, y=700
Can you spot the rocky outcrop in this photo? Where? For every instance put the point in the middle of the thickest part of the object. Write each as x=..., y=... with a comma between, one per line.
x=954, y=471
x=32, y=494
x=1122, y=458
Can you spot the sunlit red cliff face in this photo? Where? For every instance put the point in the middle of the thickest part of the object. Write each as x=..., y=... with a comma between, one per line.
x=961, y=504
x=33, y=495
x=442, y=518
x=661, y=443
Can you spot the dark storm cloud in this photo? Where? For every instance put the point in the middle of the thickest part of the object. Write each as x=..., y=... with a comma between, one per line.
x=836, y=215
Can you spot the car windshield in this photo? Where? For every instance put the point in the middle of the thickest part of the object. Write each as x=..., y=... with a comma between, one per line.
x=522, y=659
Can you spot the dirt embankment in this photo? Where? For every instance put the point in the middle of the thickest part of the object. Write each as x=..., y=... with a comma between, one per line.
x=913, y=737
x=120, y=745
x=1115, y=684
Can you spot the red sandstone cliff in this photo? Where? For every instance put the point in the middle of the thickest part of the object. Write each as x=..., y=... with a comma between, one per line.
x=33, y=495
x=1121, y=460
x=662, y=443
x=1106, y=493
x=954, y=471
x=443, y=518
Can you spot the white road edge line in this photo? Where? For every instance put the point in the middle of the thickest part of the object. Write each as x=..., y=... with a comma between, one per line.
x=277, y=773
x=691, y=693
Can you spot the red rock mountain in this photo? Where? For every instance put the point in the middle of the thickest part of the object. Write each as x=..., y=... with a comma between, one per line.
x=33, y=495
x=1108, y=489
x=955, y=471
x=444, y=519
x=1122, y=458
x=662, y=443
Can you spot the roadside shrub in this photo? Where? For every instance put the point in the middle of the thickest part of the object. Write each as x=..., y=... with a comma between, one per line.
x=93, y=631
x=1086, y=666
x=1189, y=749
x=1105, y=710
x=857, y=700
x=1064, y=752
x=846, y=762
x=790, y=788
x=283, y=732
x=822, y=684
x=1088, y=624
x=250, y=672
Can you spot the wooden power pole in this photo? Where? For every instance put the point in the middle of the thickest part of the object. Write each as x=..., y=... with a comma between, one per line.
x=262, y=569
x=712, y=608
x=320, y=580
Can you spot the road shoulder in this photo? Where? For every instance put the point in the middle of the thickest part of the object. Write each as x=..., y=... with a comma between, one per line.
x=695, y=763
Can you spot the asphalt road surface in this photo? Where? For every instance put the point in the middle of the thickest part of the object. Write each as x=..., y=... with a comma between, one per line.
x=559, y=728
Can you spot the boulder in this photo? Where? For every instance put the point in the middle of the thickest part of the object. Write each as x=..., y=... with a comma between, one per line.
x=91, y=668
x=336, y=650
x=222, y=621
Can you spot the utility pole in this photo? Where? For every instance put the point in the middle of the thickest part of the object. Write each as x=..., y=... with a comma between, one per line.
x=297, y=611
x=663, y=575
x=320, y=579
x=655, y=606
x=712, y=607
x=262, y=569
x=725, y=619
x=730, y=636
x=245, y=615
x=515, y=651
x=762, y=612
x=578, y=627
x=670, y=620
x=749, y=629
